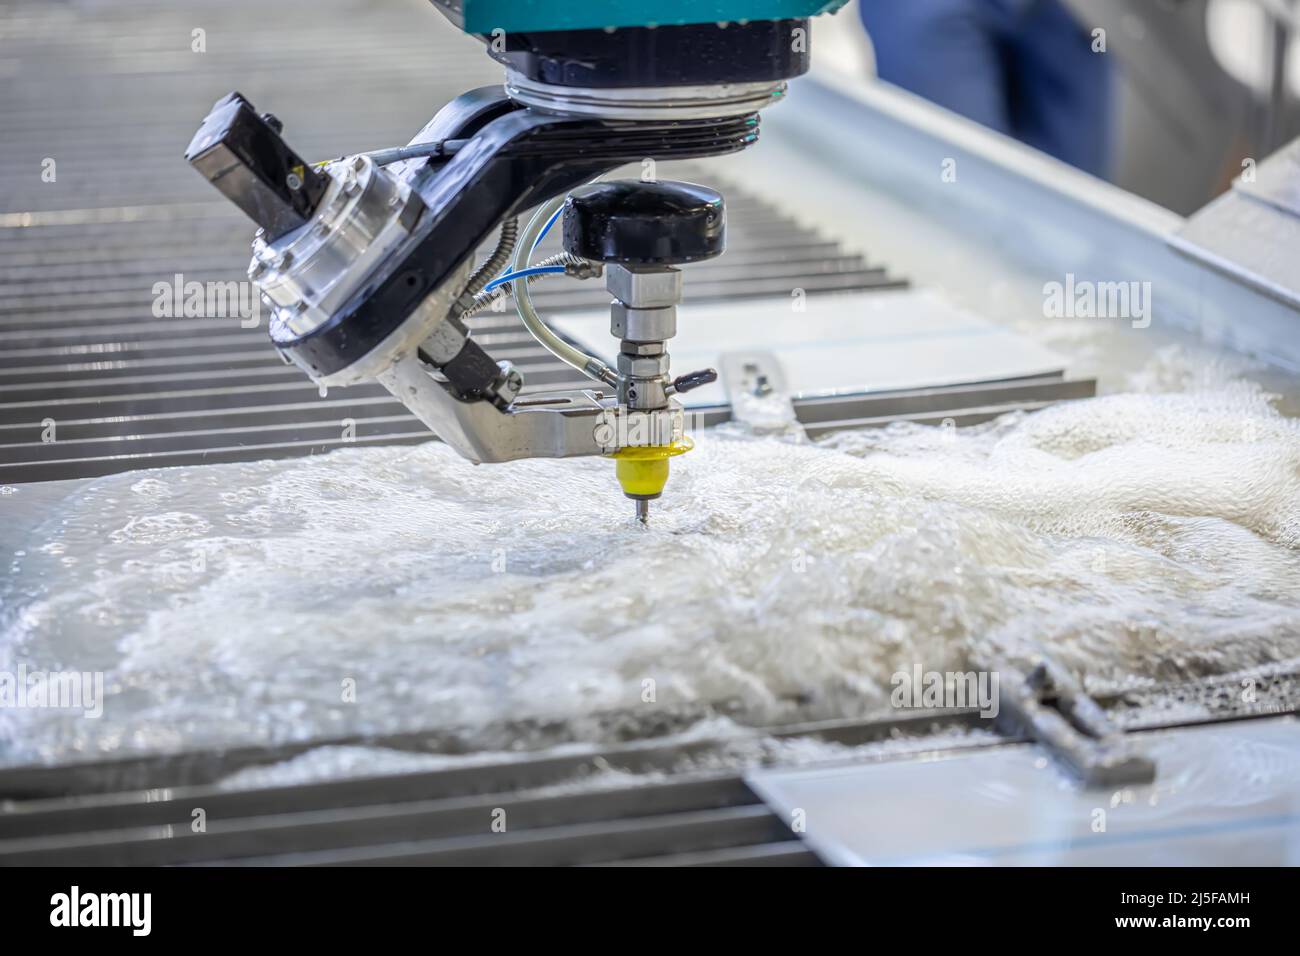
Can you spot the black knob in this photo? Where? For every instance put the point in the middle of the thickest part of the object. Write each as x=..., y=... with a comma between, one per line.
x=645, y=224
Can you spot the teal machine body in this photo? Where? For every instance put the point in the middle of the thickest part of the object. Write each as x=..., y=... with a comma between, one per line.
x=485, y=16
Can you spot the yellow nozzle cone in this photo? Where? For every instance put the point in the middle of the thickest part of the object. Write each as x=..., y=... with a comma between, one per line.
x=642, y=470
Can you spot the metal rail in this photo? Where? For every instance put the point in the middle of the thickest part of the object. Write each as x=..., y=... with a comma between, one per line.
x=652, y=802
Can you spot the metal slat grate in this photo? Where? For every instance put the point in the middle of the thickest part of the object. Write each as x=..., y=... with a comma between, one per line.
x=678, y=803
x=660, y=808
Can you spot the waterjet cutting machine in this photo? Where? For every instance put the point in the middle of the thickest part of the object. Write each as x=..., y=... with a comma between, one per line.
x=367, y=262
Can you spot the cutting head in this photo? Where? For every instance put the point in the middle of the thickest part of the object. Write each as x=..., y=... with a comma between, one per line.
x=368, y=261
x=642, y=232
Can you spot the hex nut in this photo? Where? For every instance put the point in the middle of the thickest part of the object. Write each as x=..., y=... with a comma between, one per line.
x=644, y=290
x=642, y=325
x=642, y=366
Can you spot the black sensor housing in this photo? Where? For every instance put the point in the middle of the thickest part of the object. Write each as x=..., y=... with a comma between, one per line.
x=243, y=155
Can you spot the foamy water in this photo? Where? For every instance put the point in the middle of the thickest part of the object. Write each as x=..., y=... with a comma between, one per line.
x=1149, y=535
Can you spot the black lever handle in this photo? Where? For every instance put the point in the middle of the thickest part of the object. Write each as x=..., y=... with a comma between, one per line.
x=684, y=383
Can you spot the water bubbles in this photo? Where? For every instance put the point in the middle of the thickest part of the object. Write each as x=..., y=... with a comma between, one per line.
x=149, y=488
x=1136, y=537
x=169, y=526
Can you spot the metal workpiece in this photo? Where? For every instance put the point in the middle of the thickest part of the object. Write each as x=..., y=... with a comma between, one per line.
x=752, y=373
x=1250, y=233
x=759, y=395
x=1044, y=703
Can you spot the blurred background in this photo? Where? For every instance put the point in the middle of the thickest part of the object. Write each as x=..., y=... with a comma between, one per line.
x=1167, y=101
x=1166, y=98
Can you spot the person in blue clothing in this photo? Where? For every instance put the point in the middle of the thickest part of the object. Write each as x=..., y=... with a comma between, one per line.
x=1026, y=68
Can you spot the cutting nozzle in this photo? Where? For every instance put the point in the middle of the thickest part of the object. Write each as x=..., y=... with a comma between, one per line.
x=642, y=471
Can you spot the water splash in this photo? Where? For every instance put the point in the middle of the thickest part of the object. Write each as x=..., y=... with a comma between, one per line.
x=1141, y=536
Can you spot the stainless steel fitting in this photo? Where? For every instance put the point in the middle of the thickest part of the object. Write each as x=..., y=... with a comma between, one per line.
x=643, y=316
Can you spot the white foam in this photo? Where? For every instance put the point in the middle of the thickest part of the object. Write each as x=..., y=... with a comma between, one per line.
x=1137, y=536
